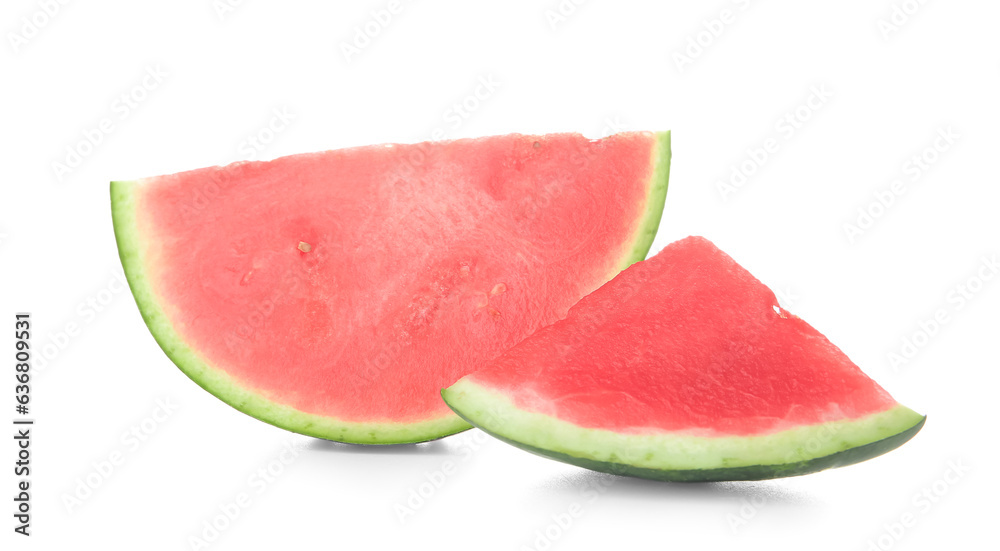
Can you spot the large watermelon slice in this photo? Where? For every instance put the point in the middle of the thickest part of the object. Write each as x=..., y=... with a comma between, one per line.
x=684, y=367
x=333, y=294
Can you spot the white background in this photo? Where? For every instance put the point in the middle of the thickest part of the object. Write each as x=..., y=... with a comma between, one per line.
x=608, y=65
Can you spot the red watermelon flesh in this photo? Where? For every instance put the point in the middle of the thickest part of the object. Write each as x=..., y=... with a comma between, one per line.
x=684, y=367
x=335, y=293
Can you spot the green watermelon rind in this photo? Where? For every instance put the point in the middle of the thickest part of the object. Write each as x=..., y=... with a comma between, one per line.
x=650, y=222
x=254, y=403
x=685, y=458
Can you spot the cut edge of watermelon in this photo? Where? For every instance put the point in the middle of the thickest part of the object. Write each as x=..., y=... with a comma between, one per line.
x=685, y=458
x=229, y=390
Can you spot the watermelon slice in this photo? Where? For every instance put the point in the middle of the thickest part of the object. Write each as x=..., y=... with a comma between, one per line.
x=684, y=368
x=333, y=294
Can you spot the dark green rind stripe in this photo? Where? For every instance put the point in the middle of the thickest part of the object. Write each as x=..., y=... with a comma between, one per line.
x=755, y=472
x=793, y=451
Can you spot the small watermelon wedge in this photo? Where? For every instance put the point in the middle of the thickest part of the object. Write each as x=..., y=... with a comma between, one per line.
x=333, y=294
x=685, y=368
